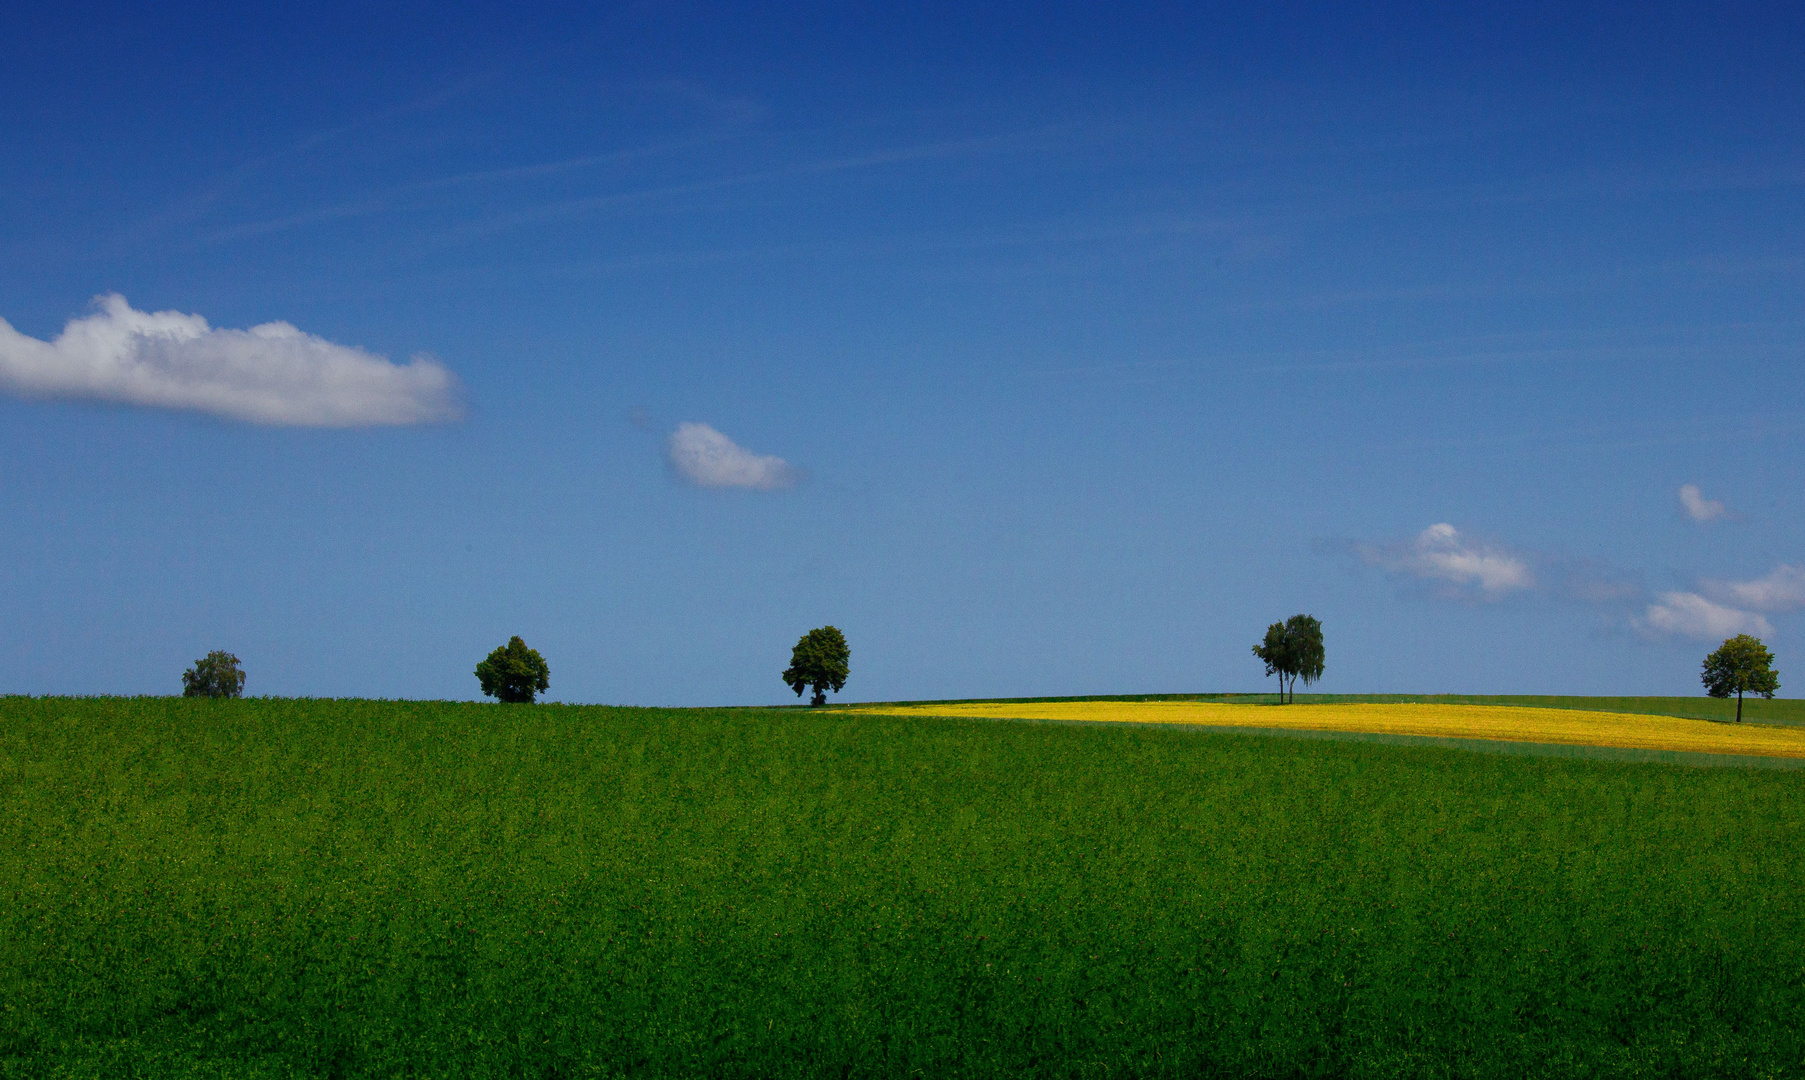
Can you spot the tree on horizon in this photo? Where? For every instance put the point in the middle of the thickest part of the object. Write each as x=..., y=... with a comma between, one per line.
x=1741, y=664
x=821, y=660
x=1291, y=650
x=513, y=673
x=1274, y=651
x=215, y=675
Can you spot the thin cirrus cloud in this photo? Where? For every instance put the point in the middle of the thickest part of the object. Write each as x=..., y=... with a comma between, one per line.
x=1462, y=565
x=1690, y=615
x=270, y=374
x=1697, y=507
x=706, y=458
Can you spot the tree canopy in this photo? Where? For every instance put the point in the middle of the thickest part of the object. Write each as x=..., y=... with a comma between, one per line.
x=216, y=674
x=514, y=673
x=1307, y=653
x=1292, y=650
x=1740, y=665
x=820, y=660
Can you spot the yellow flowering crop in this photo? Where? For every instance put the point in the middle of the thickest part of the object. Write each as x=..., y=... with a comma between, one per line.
x=1508, y=723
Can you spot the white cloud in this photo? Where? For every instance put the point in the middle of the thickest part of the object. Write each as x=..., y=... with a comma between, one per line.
x=1442, y=553
x=269, y=374
x=1697, y=507
x=1693, y=616
x=1783, y=589
x=707, y=458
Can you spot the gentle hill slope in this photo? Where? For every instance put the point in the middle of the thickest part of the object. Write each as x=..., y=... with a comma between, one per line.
x=269, y=888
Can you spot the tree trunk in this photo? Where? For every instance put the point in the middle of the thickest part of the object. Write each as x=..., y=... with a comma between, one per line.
x=1739, y=704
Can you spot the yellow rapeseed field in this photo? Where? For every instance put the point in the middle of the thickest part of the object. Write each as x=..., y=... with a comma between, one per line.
x=1508, y=723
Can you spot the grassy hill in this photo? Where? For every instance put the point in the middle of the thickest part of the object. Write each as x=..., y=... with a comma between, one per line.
x=274, y=888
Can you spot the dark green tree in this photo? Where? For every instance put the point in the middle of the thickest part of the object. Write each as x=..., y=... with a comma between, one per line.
x=1304, y=633
x=821, y=660
x=1292, y=650
x=1275, y=652
x=514, y=673
x=1741, y=664
x=216, y=674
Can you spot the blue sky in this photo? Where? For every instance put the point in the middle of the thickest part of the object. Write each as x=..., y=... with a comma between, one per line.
x=1043, y=352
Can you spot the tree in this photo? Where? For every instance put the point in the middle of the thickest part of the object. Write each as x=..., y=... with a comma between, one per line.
x=1741, y=664
x=821, y=660
x=1292, y=649
x=216, y=674
x=514, y=672
x=1304, y=633
x=1275, y=650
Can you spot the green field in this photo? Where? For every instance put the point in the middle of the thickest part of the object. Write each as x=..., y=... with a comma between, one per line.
x=355, y=888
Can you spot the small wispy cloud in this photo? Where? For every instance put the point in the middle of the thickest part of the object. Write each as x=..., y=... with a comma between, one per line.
x=1783, y=589
x=269, y=374
x=1690, y=615
x=1697, y=507
x=1464, y=566
x=707, y=458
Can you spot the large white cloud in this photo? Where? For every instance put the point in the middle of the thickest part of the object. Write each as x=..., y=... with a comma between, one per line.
x=269, y=374
x=1693, y=616
x=1442, y=553
x=1783, y=589
x=707, y=458
x=1697, y=507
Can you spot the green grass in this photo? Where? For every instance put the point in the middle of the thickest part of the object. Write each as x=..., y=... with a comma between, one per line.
x=273, y=888
x=1783, y=711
